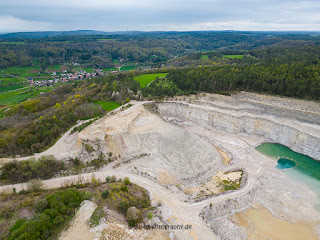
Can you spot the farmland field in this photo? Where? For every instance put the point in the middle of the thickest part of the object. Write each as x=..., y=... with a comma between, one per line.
x=204, y=57
x=108, y=106
x=109, y=69
x=145, y=79
x=233, y=56
x=7, y=81
x=127, y=68
x=11, y=98
x=89, y=70
x=7, y=88
x=12, y=43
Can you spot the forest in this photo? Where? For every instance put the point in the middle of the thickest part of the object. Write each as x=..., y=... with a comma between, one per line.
x=151, y=47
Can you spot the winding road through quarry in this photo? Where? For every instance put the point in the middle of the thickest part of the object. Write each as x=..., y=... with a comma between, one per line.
x=179, y=144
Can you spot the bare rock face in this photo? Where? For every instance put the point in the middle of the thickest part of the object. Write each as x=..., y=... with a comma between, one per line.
x=137, y=131
x=301, y=137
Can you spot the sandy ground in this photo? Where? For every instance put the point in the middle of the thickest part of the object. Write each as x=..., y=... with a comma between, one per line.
x=79, y=228
x=261, y=224
x=224, y=155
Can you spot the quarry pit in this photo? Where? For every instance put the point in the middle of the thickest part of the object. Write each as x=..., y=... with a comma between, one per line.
x=197, y=155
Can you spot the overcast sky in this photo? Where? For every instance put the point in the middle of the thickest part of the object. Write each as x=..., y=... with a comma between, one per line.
x=157, y=15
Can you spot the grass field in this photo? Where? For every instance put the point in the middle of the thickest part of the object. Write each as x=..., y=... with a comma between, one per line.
x=12, y=43
x=109, y=69
x=108, y=106
x=11, y=98
x=233, y=56
x=9, y=88
x=5, y=80
x=127, y=68
x=106, y=39
x=204, y=57
x=145, y=79
x=89, y=70
x=24, y=72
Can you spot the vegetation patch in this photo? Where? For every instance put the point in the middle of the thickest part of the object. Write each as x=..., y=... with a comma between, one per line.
x=43, y=168
x=44, y=214
x=57, y=209
x=204, y=57
x=14, y=97
x=233, y=56
x=95, y=218
x=145, y=79
x=108, y=106
x=128, y=199
x=82, y=126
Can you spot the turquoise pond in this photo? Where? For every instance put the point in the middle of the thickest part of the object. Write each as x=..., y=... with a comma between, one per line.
x=284, y=163
x=307, y=169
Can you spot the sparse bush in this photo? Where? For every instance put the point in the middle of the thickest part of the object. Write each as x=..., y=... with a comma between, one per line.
x=105, y=194
x=21, y=192
x=123, y=206
x=113, y=178
x=124, y=188
x=89, y=148
x=35, y=185
x=150, y=215
x=41, y=205
x=76, y=161
x=126, y=181
x=133, y=216
x=94, y=182
x=87, y=195
x=108, y=179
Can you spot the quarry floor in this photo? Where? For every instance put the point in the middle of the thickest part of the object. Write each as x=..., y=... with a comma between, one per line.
x=268, y=192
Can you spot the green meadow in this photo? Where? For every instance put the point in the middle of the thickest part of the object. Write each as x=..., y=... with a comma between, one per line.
x=14, y=97
x=233, y=56
x=6, y=81
x=204, y=57
x=108, y=106
x=12, y=43
x=7, y=88
x=145, y=79
x=127, y=68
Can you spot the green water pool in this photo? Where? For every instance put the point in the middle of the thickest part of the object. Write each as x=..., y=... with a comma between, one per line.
x=306, y=165
x=307, y=169
x=285, y=163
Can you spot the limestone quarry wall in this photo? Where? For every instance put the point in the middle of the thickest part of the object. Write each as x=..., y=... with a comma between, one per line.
x=305, y=142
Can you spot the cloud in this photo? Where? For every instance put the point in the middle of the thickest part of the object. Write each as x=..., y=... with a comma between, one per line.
x=10, y=24
x=159, y=15
x=236, y=25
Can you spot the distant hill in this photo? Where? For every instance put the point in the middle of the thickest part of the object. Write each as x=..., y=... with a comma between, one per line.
x=34, y=35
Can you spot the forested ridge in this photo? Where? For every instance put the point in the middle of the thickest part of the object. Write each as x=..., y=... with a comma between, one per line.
x=290, y=71
x=101, y=50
